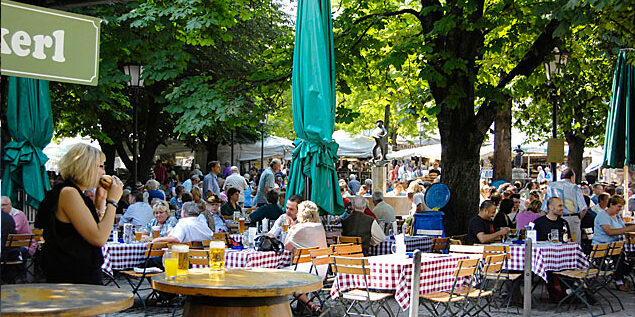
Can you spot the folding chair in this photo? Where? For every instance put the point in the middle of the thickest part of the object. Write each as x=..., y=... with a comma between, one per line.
x=345, y=239
x=492, y=266
x=612, y=260
x=503, y=277
x=455, y=301
x=222, y=236
x=440, y=245
x=320, y=257
x=586, y=280
x=301, y=256
x=630, y=256
x=352, y=250
x=136, y=279
x=198, y=257
x=15, y=242
x=362, y=300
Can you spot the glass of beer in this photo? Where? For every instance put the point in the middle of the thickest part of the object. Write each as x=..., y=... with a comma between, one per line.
x=236, y=216
x=554, y=236
x=217, y=255
x=155, y=231
x=182, y=254
x=138, y=233
x=285, y=227
x=170, y=263
x=241, y=224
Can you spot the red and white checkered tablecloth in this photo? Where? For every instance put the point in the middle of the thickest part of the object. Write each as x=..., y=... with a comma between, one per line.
x=121, y=256
x=391, y=272
x=251, y=258
x=423, y=243
x=548, y=257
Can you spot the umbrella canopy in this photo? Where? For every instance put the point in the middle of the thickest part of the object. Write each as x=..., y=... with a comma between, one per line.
x=31, y=126
x=313, y=85
x=619, y=150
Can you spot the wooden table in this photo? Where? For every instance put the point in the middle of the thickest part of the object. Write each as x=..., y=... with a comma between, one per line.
x=62, y=300
x=256, y=292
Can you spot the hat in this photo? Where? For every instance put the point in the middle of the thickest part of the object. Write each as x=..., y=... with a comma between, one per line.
x=234, y=169
x=139, y=185
x=213, y=200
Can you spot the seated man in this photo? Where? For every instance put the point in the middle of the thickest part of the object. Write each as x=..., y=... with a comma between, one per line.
x=552, y=221
x=210, y=215
x=138, y=213
x=271, y=210
x=358, y=224
x=481, y=228
x=289, y=217
x=189, y=228
x=383, y=210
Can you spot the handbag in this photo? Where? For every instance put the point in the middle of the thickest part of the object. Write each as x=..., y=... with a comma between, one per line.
x=267, y=243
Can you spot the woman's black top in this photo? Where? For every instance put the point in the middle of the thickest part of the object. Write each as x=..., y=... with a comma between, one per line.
x=67, y=257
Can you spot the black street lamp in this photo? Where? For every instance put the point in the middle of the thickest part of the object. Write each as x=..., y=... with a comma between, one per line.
x=555, y=67
x=135, y=71
x=263, y=122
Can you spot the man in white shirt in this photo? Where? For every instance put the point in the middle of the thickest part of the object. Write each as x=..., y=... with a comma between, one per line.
x=189, y=228
x=191, y=182
x=383, y=210
x=237, y=181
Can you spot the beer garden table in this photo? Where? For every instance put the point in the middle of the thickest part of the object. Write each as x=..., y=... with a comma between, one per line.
x=62, y=300
x=253, y=292
x=423, y=243
x=394, y=273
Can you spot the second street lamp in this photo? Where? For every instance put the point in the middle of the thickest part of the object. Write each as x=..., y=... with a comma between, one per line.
x=135, y=71
x=555, y=67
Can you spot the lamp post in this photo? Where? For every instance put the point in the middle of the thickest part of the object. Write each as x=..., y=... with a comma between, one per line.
x=420, y=129
x=555, y=67
x=263, y=122
x=135, y=71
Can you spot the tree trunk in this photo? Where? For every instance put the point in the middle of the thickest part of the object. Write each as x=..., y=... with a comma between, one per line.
x=502, y=143
x=111, y=152
x=575, y=155
x=212, y=151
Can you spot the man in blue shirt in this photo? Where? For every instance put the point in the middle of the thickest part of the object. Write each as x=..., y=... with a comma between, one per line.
x=267, y=180
x=571, y=195
x=353, y=184
x=210, y=182
x=138, y=213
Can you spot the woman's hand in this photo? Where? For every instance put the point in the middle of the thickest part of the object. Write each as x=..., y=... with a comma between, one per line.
x=116, y=189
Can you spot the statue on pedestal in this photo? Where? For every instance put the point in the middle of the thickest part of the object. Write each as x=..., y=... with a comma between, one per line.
x=380, y=135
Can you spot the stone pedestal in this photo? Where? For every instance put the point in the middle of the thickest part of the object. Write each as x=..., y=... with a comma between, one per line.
x=379, y=178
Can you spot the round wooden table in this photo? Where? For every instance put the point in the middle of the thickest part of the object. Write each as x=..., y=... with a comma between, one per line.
x=62, y=300
x=255, y=292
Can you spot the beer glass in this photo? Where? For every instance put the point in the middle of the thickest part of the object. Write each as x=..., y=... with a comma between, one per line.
x=182, y=254
x=241, y=225
x=236, y=216
x=217, y=255
x=170, y=263
x=155, y=231
x=138, y=232
x=554, y=236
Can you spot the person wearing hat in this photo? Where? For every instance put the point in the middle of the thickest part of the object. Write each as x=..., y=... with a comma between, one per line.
x=211, y=215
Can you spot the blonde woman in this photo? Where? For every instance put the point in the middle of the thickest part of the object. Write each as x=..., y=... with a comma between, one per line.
x=72, y=228
x=162, y=219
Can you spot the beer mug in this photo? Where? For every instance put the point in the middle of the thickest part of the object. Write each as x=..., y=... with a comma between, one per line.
x=138, y=233
x=182, y=254
x=554, y=236
x=216, y=255
x=236, y=216
x=171, y=264
x=241, y=224
x=155, y=231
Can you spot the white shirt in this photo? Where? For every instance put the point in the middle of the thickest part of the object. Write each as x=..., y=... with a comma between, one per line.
x=238, y=182
x=276, y=229
x=377, y=235
x=191, y=229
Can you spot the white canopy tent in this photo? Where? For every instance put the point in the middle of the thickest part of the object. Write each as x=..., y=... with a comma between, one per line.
x=273, y=147
x=356, y=146
x=432, y=152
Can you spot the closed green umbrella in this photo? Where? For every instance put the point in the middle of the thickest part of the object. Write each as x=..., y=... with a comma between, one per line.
x=313, y=85
x=619, y=148
x=30, y=124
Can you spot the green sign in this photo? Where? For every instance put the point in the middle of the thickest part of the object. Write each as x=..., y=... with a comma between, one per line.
x=49, y=44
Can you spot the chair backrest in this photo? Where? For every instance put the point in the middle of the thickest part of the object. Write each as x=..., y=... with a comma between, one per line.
x=197, y=244
x=496, y=249
x=467, y=249
x=440, y=244
x=154, y=249
x=353, y=250
x=302, y=256
x=38, y=232
x=331, y=236
x=455, y=242
x=321, y=256
x=465, y=268
x=344, y=239
x=221, y=236
x=348, y=265
x=616, y=248
x=198, y=257
x=630, y=238
x=599, y=251
x=206, y=242
x=493, y=263
x=19, y=240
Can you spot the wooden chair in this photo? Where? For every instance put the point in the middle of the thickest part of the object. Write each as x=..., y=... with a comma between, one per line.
x=353, y=240
x=461, y=237
x=611, y=261
x=440, y=245
x=197, y=245
x=352, y=250
x=222, y=236
x=302, y=255
x=322, y=256
x=450, y=302
x=455, y=242
x=492, y=266
x=332, y=236
x=12, y=247
x=199, y=257
x=136, y=279
x=373, y=301
x=585, y=280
